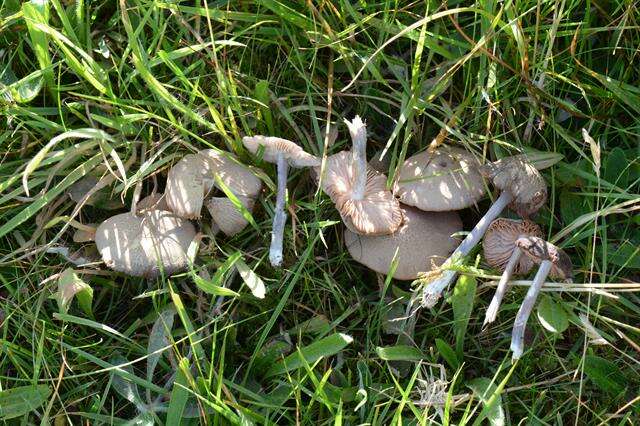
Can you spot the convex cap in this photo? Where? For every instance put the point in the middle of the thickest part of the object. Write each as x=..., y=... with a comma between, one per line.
x=445, y=180
x=522, y=180
x=422, y=241
x=144, y=245
x=500, y=242
x=273, y=146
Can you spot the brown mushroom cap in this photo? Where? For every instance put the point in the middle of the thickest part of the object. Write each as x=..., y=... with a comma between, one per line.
x=378, y=213
x=522, y=180
x=191, y=179
x=500, y=241
x=295, y=155
x=538, y=250
x=423, y=241
x=226, y=216
x=445, y=180
x=143, y=245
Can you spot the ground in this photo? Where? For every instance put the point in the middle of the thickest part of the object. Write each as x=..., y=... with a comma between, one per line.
x=136, y=84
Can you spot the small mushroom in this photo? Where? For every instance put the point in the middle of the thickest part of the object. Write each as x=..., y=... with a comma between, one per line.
x=501, y=252
x=145, y=245
x=523, y=189
x=283, y=153
x=445, y=180
x=85, y=234
x=553, y=261
x=226, y=215
x=154, y=201
x=192, y=178
x=424, y=238
x=360, y=193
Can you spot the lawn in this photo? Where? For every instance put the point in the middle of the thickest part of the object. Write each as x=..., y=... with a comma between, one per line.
x=124, y=89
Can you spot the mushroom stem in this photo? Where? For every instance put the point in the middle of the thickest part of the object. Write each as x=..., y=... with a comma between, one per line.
x=517, y=335
x=492, y=310
x=432, y=291
x=358, y=131
x=280, y=217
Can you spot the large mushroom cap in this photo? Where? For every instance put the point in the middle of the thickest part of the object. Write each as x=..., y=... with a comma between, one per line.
x=144, y=245
x=445, y=180
x=539, y=250
x=500, y=241
x=295, y=155
x=423, y=241
x=377, y=213
x=226, y=215
x=191, y=179
x=522, y=180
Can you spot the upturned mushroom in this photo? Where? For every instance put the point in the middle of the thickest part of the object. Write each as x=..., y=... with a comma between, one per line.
x=226, y=216
x=522, y=188
x=191, y=179
x=283, y=153
x=359, y=193
x=502, y=253
x=553, y=261
x=424, y=238
x=146, y=245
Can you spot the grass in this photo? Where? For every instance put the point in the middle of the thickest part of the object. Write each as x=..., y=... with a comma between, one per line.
x=135, y=84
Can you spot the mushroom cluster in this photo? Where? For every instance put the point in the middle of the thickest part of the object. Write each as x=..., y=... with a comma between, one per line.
x=155, y=236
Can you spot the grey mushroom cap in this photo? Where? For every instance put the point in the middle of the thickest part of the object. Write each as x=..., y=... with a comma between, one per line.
x=500, y=242
x=273, y=146
x=522, y=180
x=226, y=215
x=423, y=241
x=444, y=180
x=145, y=245
x=538, y=250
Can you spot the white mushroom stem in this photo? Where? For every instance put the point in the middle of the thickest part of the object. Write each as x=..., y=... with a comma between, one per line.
x=358, y=131
x=492, y=310
x=520, y=323
x=432, y=291
x=280, y=217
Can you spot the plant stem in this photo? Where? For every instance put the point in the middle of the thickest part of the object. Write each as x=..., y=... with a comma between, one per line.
x=358, y=131
x=517, y=335
x=492, y=310
x=280, y=217
x=432, y=291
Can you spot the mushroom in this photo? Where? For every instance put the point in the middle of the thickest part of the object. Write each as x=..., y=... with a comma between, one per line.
x=145, y=245
x=360, y=193
x=226, y=215
x=423, y=238
x=553, y=261
x=154, y=201
x=283, y=153
x=192, y=178
x=445, y=180
x=501, y=252
x=522, y=188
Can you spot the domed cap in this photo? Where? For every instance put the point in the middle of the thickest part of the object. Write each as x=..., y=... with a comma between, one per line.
x=445, y=180
x=377, y=213
x=522, y=180
x=226, y=215
x=500, y=241
x=538, y=250
x=423, y=241
x=143, y=245
x=295, y=155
